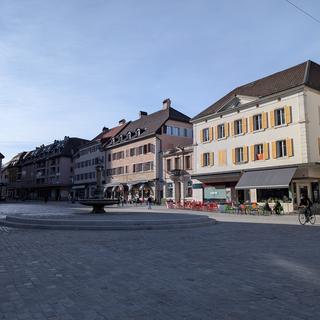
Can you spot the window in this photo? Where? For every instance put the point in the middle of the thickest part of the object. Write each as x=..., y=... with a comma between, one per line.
x=132, y=152
x=205, y=135
x=239, y=155
x=238, y=127
x=280, y=117
x=258, y=152
x=177, y=163
x=189, y=189
x=221, y=131
x=281, y=149
x=127, y=169
x=188, y=162
x=257, y=122
x=168, y=164
x=206, y=159
x=169, y=190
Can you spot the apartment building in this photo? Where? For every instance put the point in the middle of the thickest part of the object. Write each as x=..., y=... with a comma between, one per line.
x=43, y=173
x=134, y=156
x=178, y=168
x=261, y=141
x=86, y=160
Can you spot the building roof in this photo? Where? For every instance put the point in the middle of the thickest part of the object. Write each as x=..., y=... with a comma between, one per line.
x=306, y=73
x=148, y=125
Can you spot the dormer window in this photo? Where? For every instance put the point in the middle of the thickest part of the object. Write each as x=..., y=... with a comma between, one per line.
x=129, y=135
x=138, y=132
x=120, y=137
x=113, y=140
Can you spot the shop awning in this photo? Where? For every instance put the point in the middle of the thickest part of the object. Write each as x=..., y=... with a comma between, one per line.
x=266, y=179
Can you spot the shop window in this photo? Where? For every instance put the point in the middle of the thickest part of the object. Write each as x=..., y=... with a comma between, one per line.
x=273, y=195
x=257, y=122
x=281, y=148
x=221, y=131
x=258, y=152
x=189, y=189
x=280, y=117
x=239, y=155
x=238, y=127
x=169, y=190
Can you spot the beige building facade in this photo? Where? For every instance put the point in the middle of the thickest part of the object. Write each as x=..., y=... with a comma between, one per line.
x=261, y=141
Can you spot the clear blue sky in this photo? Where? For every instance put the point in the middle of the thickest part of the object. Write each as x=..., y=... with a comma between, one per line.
x=71, y=67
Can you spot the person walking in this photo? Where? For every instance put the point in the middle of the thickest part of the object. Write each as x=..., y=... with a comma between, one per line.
x=149, y=201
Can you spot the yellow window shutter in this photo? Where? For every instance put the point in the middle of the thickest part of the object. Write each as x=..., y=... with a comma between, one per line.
x=289, y=144
x=245, y=154
x=210, y=133
x=233, y=156
x=244, y=125
x=211, y=158
x=264, y=120
x=252, y=153
x=226, y=129
x=201, y=135
x=201, y=160
x=272, y=118
x=232, y=128
x=288, y=115
x=266, y=151
x=274, y=149
x=319, y=145
x=216, y=132
x=251, y=124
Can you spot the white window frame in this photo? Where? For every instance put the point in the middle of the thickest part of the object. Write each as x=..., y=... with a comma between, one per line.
x=221, y=131
x=258, y=149
x=239, y=155
x=206, y=135
x=279, y=117
x=206, y=159
x=257, y=122
x=238, y=127
x=281, y=148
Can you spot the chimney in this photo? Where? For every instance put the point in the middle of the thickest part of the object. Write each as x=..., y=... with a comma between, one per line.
x=105, y=129
x=122, y=121
x=143, y=114
x=166, y=104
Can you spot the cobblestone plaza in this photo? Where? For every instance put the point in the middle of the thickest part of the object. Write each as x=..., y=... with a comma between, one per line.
x=236, y=269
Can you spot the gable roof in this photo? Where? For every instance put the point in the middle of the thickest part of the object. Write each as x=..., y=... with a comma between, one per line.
x=306, y=73
x=150, y=124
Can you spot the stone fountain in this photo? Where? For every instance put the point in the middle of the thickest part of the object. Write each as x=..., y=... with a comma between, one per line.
x=98, y=202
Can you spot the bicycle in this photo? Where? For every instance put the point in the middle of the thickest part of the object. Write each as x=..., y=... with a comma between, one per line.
x=306, y=215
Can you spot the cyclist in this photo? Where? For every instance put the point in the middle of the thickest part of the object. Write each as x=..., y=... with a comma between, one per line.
x=306, y=204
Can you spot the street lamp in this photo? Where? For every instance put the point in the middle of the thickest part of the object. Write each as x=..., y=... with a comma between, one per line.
x=182, y=172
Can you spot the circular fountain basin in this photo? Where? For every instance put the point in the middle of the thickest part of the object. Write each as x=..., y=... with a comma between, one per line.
x=98, y=204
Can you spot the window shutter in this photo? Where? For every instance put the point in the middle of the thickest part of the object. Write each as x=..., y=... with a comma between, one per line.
x=266, y=151
x=211, y=133
x=201, y=160
x=272, y=118
x=232, y=128
x=233, y=156
x=274, y=149
x=211, y=158
x=201, y=135
x=252, y=153
x=287, y=113
x=216, y=132
x=251, y=124
x=226, y=129
x=245, y=154
x=222, y=157
x=244, y=125
x=264, y=120
x=319, y=145
x=289, y=144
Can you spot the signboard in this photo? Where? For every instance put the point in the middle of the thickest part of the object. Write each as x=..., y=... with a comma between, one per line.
x=212, y=193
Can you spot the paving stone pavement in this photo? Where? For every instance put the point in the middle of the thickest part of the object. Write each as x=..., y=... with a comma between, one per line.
x=232, y=270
